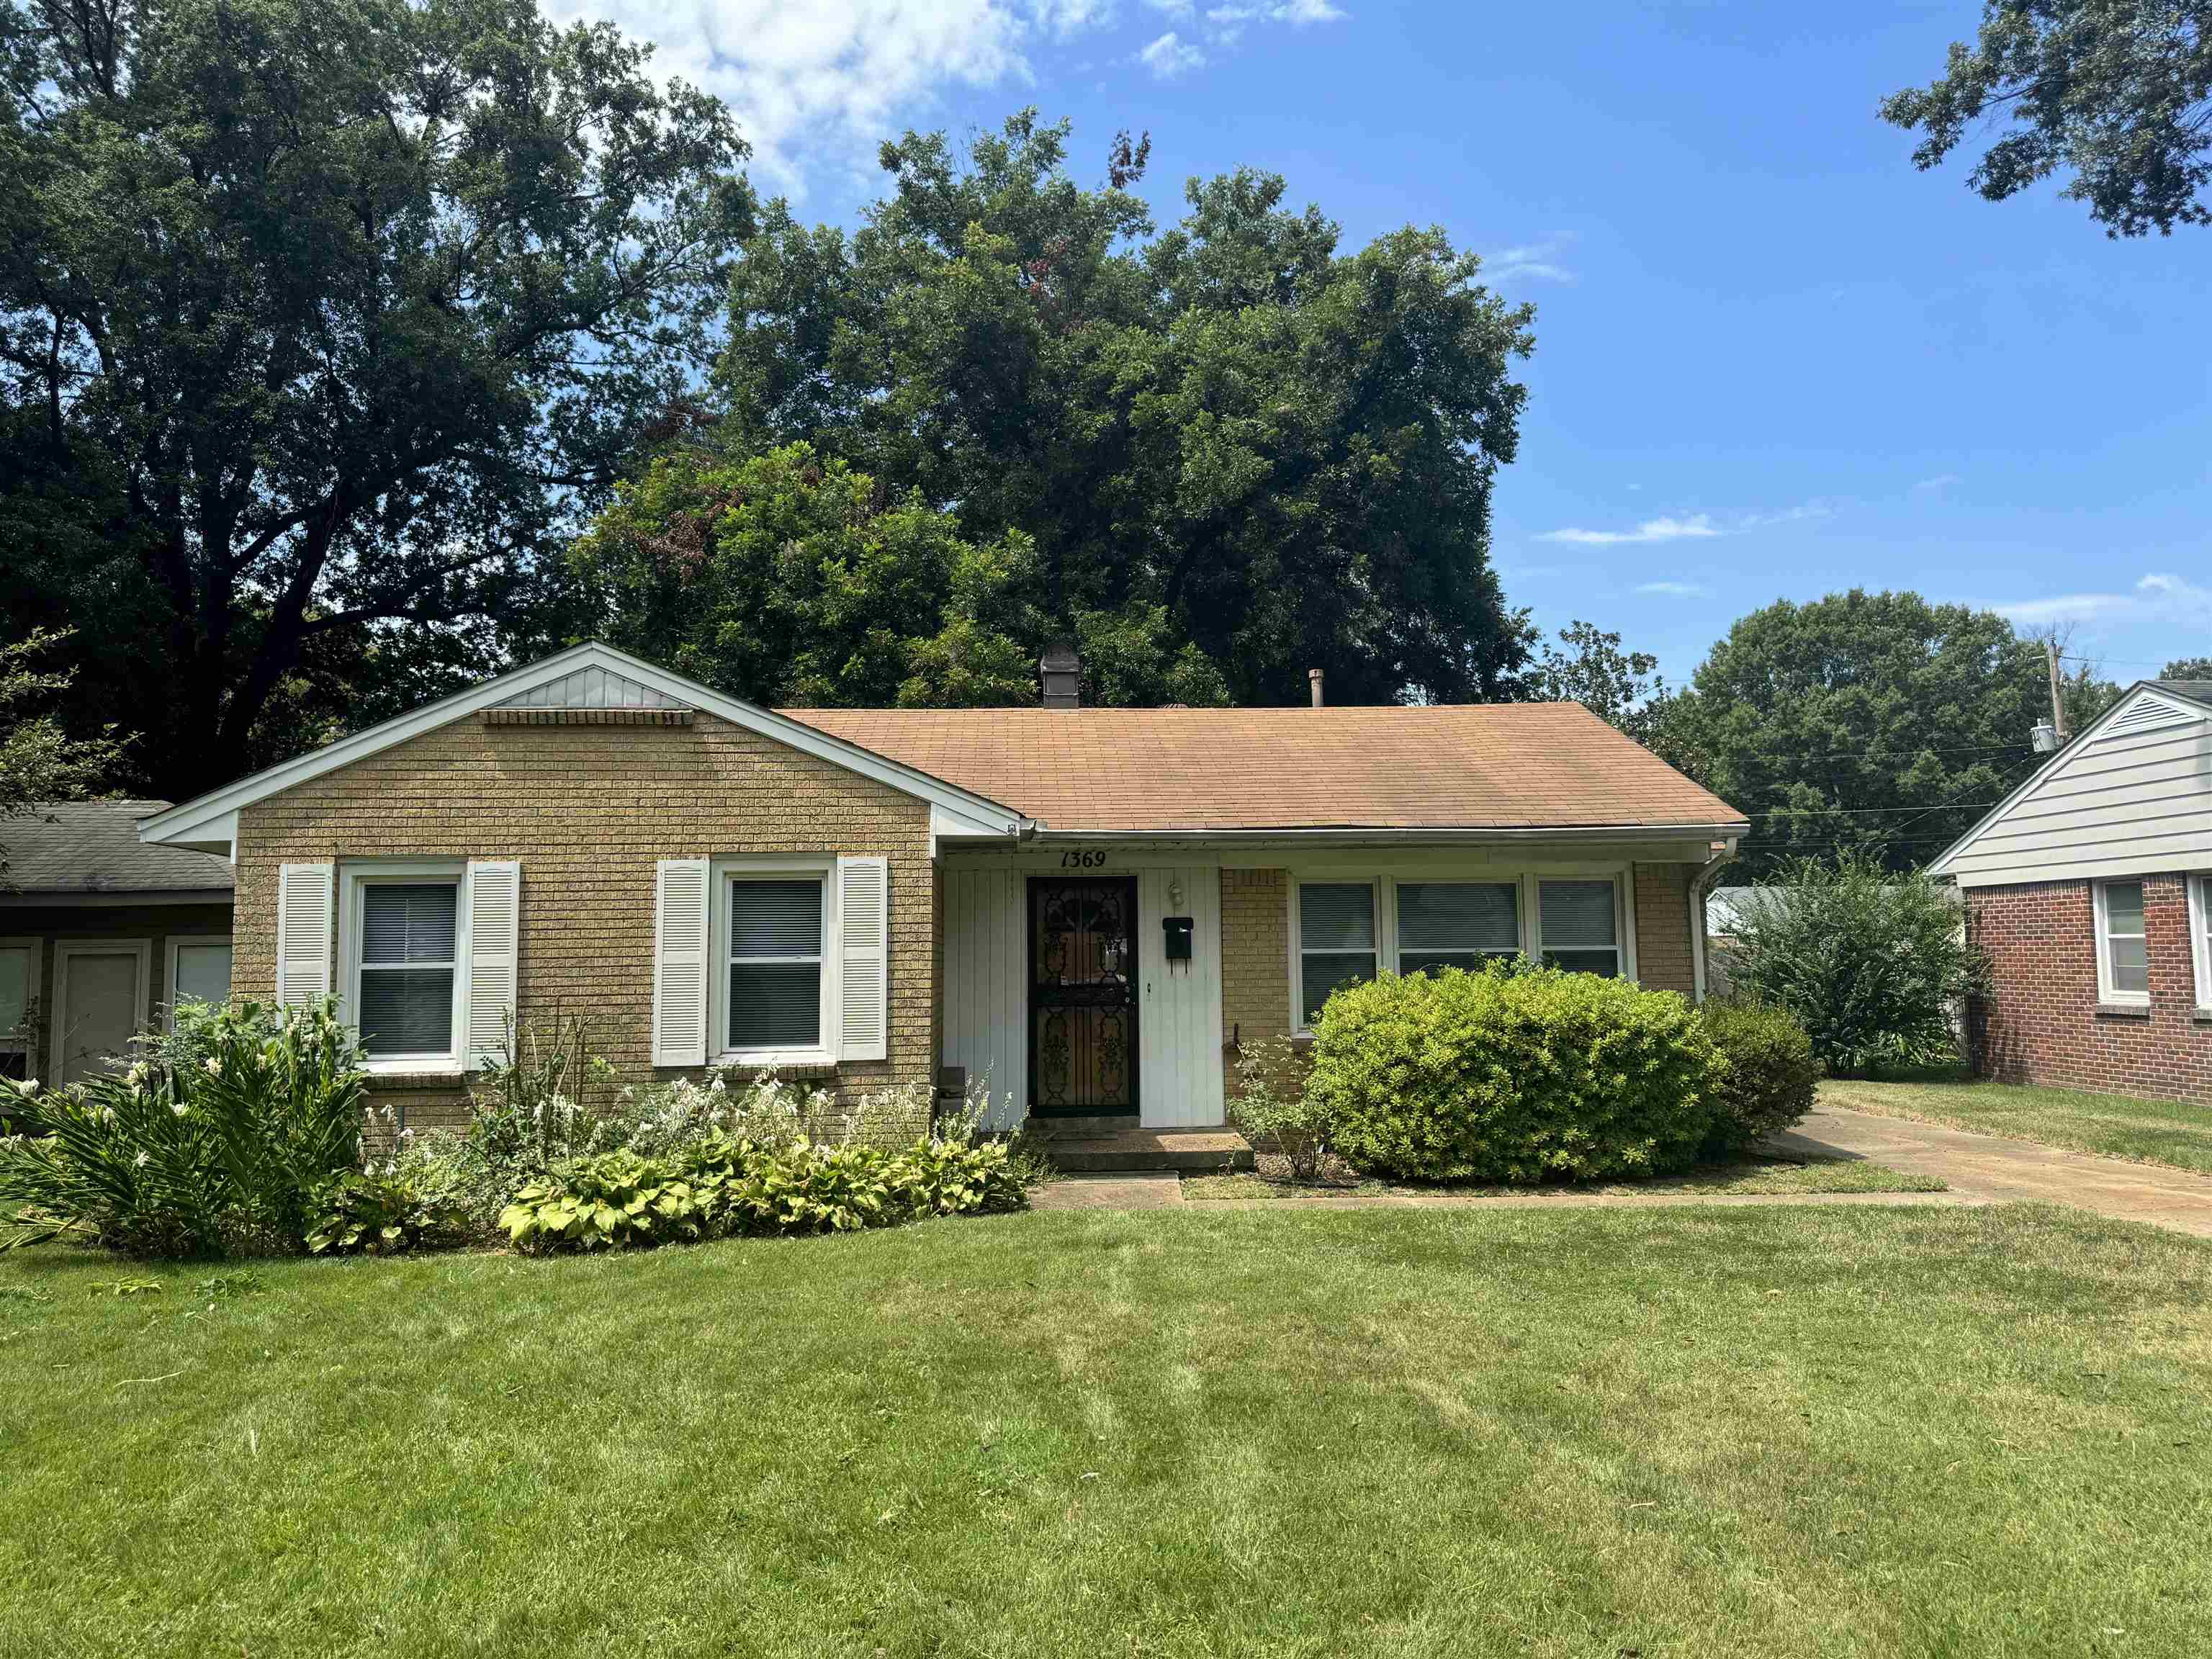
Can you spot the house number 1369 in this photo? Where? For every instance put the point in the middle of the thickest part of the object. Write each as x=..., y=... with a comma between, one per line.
x=1081, y=860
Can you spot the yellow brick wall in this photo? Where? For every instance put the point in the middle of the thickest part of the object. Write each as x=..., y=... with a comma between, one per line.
x=588, y=811
x=1662, y=927
x=1255, y=976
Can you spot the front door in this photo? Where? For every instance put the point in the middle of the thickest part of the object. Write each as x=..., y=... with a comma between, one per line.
x=1082, y=1000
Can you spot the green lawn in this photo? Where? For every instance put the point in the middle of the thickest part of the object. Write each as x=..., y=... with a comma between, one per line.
x=2118, y=1126
x=1681, y=1432
x=1773, y=1176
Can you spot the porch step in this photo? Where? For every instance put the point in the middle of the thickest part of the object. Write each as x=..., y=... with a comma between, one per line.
x=1198, y=1151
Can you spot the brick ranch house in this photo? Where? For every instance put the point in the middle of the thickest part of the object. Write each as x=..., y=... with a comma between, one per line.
x=2087, y=887
x=1086, y=906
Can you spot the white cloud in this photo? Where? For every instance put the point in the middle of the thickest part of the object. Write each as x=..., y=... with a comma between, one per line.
x=1172, y=8
x=1171, y=55
x=831, y=79
x=1941, y=481
x=1651, y=530
x=1679, y=590
x=1540, y=261
x=1067, y=17
x=1229, y=20
x=2157, y=596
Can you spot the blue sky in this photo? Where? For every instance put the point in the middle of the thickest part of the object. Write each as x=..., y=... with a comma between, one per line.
x=1772, y=361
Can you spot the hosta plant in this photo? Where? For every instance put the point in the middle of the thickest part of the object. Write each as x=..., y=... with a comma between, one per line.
x=379, y=1213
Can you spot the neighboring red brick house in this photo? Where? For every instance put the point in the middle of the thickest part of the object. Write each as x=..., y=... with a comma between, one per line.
x=2087, y=888
x=1087, y=906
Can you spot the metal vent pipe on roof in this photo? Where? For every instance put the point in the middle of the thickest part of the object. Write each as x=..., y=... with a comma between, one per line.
x=1313, y=679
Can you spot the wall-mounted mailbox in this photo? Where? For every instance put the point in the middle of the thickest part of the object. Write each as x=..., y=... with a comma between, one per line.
x=1178, y=931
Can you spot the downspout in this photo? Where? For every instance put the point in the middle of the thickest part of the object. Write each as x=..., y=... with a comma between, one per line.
x=1700, y=885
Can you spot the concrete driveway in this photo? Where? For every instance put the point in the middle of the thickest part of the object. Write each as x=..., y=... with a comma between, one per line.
x=1992, y=1169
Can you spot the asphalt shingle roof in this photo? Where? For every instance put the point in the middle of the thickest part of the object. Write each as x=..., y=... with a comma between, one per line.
x=1465, y=766
x=93, y=847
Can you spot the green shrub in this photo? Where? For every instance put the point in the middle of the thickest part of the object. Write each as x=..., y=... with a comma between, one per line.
x=214, y=1142
x=719, y=1184
x=379, y=1214
x=1873, y=964
x=1271, y=1106
x=1767, y=1080
x=1513, y=1076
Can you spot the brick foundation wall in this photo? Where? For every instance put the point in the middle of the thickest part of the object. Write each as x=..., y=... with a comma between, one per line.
x=588, y=810
x=2042, y=1023
x=1662, y=927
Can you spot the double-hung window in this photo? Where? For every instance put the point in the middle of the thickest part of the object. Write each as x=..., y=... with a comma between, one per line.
x=2123, y=952
x=1457, y=924
x=2200, y=937
x=1336, y=940
x=1578, y=925
x=407, y=974
x=774, y=979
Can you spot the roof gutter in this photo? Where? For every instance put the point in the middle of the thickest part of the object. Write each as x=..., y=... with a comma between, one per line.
x=1354, y=836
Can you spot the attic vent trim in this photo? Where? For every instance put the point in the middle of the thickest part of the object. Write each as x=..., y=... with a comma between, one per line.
x=2149, y=712
x=587, y=716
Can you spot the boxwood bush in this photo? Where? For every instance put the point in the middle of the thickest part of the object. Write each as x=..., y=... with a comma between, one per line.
x=1514, y=1075
x=1767, y=1078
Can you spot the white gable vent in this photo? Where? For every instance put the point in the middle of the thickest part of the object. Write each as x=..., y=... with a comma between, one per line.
x=590, y=696
x=2148, y=712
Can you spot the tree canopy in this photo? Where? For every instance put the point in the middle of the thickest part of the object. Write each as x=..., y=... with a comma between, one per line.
x=785, y=579
x=1873, y=722
x=2117, y=91
x=1238, y=450
x=38, y=761
x=2187, y=668
x=315, y=318
x=1622, y=688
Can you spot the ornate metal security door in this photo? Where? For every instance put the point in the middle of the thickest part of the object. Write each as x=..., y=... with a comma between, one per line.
x=1083, y=1001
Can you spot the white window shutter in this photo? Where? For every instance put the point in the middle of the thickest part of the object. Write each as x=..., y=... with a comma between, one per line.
x=863, y=957
x=680, y=908
x=305, y=894
x=495, y=936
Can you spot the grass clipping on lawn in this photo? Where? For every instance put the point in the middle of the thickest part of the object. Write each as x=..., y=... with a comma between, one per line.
x=1774, y=1176
x=1802, y=1430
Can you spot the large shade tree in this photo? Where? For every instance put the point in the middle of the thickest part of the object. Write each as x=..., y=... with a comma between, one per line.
x=782, y=578
x=1240, y=449
x=1874, y=723
x=2116, y=93
x=314, y=318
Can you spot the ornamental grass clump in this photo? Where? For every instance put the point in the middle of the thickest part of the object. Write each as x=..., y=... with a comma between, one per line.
x=1514, y=1075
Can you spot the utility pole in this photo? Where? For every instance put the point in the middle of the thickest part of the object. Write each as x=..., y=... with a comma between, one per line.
x=2058, y=702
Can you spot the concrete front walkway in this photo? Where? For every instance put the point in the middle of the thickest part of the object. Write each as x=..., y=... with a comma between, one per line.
x=1993, y=1170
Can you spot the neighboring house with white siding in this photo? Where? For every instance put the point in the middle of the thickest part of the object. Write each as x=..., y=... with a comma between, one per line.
x=2090, y=888
x=1087, y=906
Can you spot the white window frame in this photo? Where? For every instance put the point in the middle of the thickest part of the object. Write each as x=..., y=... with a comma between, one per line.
x=66, y=949
x=2106, y=991
x=1519, y=910
x=1623, y=912
x=20, y=1040
x=1620, y=872
x=722, y=874
x=169, y=948
x=354, y=880
x=1383, y=956
x=2200, y=946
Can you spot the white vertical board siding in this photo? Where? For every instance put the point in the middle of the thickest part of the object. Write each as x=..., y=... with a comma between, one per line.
x=986, y=985
x=1179, y=1007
